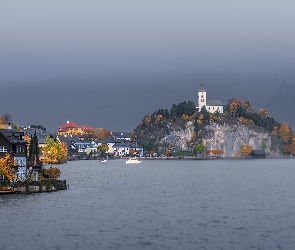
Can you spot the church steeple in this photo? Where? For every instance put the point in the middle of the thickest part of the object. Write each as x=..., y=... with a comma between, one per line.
x=210, y=105
x=202, y=97
x=202, y=88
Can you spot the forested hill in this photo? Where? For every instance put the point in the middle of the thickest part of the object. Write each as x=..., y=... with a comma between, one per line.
x=182, y=128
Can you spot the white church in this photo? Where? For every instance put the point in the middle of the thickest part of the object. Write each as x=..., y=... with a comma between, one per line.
x=210, y=105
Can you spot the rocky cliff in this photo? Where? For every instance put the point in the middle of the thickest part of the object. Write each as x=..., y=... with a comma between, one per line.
x=228, y=138
x=185, y=129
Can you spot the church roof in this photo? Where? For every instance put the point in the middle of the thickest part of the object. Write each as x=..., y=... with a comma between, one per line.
x=213, y=103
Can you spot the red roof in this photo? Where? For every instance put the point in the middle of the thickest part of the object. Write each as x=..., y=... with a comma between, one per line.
x=68, y=125
x=85, y=128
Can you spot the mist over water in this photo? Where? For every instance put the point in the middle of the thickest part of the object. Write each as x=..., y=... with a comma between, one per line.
x=165, y=204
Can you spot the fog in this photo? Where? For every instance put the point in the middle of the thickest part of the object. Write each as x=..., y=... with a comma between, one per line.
x=109, y=63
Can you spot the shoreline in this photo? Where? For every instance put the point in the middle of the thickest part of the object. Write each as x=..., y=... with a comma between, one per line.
x=33, y=187
x=213, y=158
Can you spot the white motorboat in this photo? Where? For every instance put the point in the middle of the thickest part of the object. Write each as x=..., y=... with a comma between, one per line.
x=132, y=161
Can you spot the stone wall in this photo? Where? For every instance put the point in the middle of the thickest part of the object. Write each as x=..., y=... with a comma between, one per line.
x=33, y=187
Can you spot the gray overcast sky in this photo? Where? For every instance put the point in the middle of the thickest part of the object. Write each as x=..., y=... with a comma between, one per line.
x=108, y=63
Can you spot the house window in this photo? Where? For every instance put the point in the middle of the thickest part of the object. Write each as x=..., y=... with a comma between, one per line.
x=3, y=149
x=20, y=149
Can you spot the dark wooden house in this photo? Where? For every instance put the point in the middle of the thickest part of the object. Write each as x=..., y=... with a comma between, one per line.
x=12, y=142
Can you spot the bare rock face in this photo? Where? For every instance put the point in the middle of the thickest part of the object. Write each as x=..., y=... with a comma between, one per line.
x=228, y=138
x=179, y=139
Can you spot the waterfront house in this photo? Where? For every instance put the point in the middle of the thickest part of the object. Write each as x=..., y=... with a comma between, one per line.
x=110, y=143
x=41, y=134
x=72, y=128
x=124, y=148
x=12, y=142
x=86, y=147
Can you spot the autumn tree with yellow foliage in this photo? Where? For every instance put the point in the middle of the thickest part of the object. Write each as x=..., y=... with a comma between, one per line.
x=7, y=164
x=102, y=150
x=102, y=133
x=54, y=151
x=285, y=132
x=290, y=148
x=283, y=138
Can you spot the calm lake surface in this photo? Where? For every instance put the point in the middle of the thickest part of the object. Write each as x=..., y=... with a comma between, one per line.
x=158, y=204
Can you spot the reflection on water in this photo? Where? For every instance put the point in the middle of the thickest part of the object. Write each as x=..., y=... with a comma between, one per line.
x=165, y=204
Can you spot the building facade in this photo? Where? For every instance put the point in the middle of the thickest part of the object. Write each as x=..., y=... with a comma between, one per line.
x=12, y=142
x=211, y=106
x=71, y=128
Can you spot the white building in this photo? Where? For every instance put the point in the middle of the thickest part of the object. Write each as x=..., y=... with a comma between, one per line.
x=210, y=105
x=123, y=149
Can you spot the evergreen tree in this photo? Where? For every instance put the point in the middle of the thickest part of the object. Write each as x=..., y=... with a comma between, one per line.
x=33, y=158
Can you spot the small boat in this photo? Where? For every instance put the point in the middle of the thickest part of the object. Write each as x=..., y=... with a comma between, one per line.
x=132, y=161
x=104, y=161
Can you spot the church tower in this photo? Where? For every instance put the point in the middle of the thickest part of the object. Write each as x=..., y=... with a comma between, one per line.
x=211, y=106
x=202, y=98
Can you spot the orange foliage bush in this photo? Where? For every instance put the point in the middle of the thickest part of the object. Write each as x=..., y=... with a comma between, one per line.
x=262, y=112
x=51, y=173
x=245, y=121
x=246, y=149
x=217, y=152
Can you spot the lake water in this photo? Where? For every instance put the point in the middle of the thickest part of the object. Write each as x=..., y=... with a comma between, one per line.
x=158, y=204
